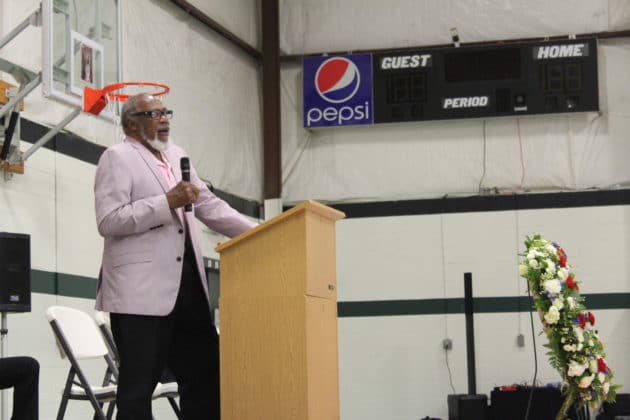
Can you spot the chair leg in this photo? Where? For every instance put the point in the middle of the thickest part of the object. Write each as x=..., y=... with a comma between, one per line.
x=110, y=410
x=65, y=396
x=108, y=415
x=62, y=408
x=175, y=407
x=99, y=414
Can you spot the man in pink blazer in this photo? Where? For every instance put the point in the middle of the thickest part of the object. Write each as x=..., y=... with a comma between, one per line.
x=152, y=279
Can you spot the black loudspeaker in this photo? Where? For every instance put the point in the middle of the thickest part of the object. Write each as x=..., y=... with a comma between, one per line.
x=15, y=272
x=621, y=406
x=512, y=404
x=467, y=407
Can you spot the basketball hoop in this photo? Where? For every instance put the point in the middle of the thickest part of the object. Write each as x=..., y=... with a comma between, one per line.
x=94, y=100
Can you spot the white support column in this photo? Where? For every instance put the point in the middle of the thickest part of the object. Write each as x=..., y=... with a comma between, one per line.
x=273, y=207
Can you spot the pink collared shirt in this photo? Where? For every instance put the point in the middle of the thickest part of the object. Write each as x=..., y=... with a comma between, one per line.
x=167, y=170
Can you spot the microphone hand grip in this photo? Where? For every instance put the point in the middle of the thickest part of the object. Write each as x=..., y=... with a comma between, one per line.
x=184, y=164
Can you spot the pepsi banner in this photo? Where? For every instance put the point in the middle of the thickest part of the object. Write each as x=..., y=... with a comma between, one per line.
x=338, y=90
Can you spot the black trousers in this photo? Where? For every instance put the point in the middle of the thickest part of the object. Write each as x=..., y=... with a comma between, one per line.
x=21, y=373
x=185, y=340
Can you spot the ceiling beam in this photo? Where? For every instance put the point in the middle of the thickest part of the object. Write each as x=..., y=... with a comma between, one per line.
x=219, y=29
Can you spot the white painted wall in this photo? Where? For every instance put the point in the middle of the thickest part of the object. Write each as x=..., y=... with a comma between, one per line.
x=390, y=367
x=53, y=202
x=317, y=26
x=241, y=17
x=215, y=91
x=430, y=159
x=212, y=84
x=394, y=367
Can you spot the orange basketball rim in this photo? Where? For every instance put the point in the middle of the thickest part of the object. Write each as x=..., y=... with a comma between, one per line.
x=95, y=100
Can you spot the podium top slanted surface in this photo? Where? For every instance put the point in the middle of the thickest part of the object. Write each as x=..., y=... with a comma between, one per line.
x=308, y=205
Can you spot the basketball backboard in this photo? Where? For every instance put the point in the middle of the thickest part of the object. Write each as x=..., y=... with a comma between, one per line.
x=81, y=46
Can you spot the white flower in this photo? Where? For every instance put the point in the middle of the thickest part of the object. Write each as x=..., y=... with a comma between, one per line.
x=578, y=348
x=552, y=286
x=579, y=334
x=563, y=273
x=576, y=369
x=522, y=269
x=558, y=303
x=585, y=382
x=552, y=316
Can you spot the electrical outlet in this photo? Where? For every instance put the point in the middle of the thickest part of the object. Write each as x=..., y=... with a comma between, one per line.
x=447, y=344
x=520, y=340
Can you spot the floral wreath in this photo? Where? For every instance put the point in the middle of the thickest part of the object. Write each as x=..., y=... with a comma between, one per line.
x=575, y=349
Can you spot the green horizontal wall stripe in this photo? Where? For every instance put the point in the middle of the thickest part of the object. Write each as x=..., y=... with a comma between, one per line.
x=76, y=286
x=456, y=305
x=43, y=282
x=63, y=284
x=85, y=287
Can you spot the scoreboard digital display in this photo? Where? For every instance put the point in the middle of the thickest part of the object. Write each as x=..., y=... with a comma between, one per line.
x=476, y=82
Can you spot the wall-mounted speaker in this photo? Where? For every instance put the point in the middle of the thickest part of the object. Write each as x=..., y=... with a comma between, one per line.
x=15, y=272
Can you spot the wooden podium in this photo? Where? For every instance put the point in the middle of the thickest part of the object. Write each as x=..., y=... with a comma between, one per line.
x=278, y=319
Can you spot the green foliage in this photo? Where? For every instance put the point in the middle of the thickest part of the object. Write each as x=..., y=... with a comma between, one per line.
x=575, y=349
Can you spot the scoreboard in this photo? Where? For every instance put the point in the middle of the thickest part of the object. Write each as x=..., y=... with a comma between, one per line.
x=497, y=80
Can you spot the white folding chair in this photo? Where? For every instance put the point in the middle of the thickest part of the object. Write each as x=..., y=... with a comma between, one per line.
x=79, y=338
x=167, y=390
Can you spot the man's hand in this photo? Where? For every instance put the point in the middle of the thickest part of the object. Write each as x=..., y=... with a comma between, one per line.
x=182, y=194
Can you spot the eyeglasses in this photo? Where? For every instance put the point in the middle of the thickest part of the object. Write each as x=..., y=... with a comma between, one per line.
x=155, y=114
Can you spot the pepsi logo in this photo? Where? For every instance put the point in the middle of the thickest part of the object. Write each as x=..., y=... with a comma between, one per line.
x=337, y=80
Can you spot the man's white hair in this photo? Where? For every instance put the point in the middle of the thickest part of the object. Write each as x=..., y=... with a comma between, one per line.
x=129, y=107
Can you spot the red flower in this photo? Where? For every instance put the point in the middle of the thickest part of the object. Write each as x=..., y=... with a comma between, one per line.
x=563, y=261
x=591, y=318
x=571, y=283
x=582, y=320
x=601, y=365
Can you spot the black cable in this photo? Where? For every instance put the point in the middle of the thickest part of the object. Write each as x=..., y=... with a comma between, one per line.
x=450, y=375
x=531, y=393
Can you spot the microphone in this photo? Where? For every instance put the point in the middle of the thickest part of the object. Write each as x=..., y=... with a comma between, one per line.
x=184, y=164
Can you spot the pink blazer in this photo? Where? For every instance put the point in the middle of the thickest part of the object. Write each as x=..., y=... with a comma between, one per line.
x=144, y=239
